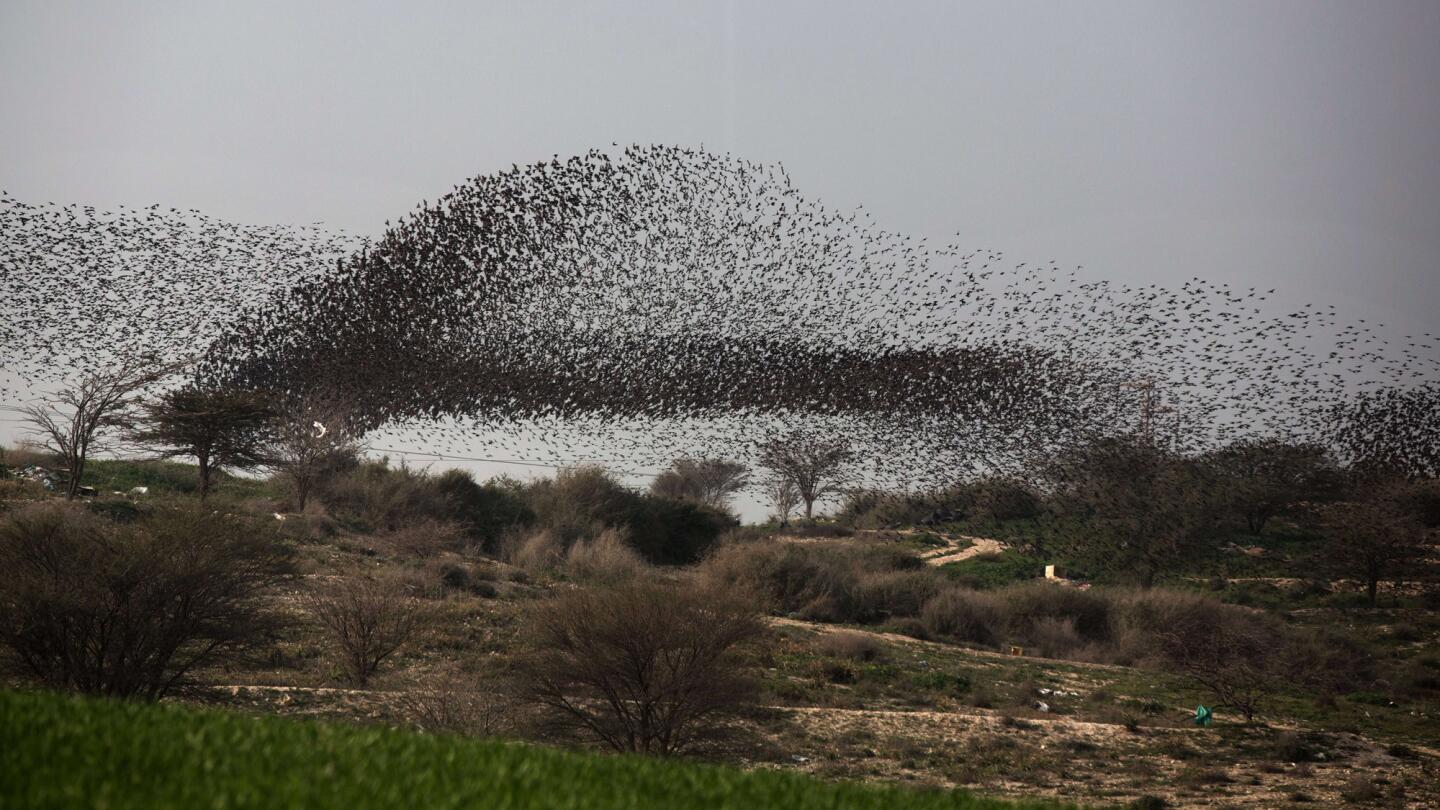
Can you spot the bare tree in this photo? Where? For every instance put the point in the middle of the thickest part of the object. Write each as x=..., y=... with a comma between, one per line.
x=815, y=465
x=309, y=443
x=91, y=415
x=707, y=481
x=783, y=497
x=455, y=702
x=218, y=428
x=646, y=667
x=366, y=620
x=1237, y=657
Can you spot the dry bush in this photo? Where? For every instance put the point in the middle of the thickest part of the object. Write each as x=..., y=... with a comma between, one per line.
x=1028, y=603
x=899, y=593
x=455, y=574
x=850, y=645
x=1360, y=789
x=366, y=621
x=384, y=498
x=1055, y=637
x=25, y=455
x=607, y=558
x=453, y=702
x=644, y=667
x=963, y=615
x=535, y=552
x=1327, y=661
x=1236, y=654
x=835, y=582
x=131, y=611
x=428, y=537
x=21, y=489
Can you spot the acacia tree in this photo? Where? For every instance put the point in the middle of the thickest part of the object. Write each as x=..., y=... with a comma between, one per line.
x=783, y=497
x=1259, y=479
x=706, y=481
x=815, y=465
x=1373, y=539
x=1237, y=656
x=366, y=621
x=307, y=444
x=93, y=414
x=219, y=428
x=1140, y=508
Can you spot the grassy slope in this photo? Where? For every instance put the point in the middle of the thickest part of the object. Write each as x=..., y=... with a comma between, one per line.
x=77, y=752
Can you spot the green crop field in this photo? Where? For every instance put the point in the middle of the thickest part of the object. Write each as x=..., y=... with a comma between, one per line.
x=58, y=751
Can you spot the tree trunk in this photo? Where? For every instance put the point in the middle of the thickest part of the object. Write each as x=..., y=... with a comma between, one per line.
x=1372, y=586
x=76, y=469
x=204, y=460
x=809, y=506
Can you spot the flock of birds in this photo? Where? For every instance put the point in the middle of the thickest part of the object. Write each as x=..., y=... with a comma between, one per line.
x=662, y=302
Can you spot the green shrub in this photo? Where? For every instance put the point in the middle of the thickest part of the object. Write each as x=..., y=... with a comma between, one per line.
x=836, y=582
x=486, y=510
x=985, y=571
x=582, y=502
x=954, y=683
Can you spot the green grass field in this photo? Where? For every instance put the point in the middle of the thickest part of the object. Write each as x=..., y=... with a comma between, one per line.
x=58, y=751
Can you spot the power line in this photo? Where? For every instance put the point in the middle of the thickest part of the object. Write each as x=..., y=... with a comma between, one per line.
x=519, y=462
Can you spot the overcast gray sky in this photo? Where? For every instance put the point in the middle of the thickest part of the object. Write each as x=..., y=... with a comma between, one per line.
x=1287, y=143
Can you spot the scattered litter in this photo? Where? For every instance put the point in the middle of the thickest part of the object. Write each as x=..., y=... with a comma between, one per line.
x=1203, y=716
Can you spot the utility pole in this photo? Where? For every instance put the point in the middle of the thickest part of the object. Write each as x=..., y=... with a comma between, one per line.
x=1149, y=406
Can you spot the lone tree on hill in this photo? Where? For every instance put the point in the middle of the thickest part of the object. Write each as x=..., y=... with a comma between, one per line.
x=220, y=429
x=815, y=465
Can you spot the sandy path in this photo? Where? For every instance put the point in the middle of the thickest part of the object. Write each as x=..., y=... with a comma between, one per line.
x=979, y=545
